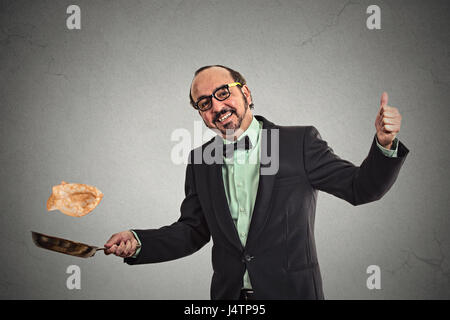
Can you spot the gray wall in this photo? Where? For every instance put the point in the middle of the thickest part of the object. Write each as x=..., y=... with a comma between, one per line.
x=98, y=106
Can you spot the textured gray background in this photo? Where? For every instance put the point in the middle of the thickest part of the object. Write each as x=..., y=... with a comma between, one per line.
x=98, y=106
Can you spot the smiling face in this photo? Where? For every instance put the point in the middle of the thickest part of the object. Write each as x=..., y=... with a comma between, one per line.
x=230, y=117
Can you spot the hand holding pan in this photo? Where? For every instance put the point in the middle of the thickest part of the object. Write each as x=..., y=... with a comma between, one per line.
x=65, y=246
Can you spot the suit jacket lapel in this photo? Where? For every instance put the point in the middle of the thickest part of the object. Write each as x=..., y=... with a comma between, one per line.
x=265, y=186
x=219, y=201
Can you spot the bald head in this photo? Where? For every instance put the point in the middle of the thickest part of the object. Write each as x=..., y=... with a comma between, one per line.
x=209, y=79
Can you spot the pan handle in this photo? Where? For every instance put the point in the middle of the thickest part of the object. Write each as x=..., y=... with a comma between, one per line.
x=98, y=249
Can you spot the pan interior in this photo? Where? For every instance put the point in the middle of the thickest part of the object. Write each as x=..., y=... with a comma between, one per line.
x=63, y=245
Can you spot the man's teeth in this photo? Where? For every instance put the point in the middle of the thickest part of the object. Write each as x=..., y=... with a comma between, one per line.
x=225, y=117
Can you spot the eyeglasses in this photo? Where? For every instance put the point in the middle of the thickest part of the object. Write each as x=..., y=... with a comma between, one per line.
x=220, y=94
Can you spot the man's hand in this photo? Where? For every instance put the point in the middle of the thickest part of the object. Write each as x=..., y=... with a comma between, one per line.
x=122, y=244
x=387, y=123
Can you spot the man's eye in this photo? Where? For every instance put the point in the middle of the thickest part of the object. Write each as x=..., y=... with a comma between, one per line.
x=204, y=103
x=221, y=94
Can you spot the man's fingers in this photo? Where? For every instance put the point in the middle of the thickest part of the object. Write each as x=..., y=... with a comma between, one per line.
x=391, y=128
x=122, y=244
x=111, y=250
x=120, y=249
x=387, y=129
x=390, y=115
x=115, y=239
x=127, y=250
x=390, y=121
x=133, y=246
x=389, y=110
x=384, y=99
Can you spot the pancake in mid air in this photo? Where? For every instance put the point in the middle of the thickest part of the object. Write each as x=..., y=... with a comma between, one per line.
x=74, y=199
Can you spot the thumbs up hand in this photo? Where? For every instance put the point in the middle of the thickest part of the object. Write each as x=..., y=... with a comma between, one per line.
x=387, y=123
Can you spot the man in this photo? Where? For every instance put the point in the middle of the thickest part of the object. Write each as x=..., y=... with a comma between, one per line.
x=262, y=225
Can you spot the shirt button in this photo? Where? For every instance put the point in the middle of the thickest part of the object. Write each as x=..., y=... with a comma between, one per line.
x=241, y=209
x=243, y=234
x=239, y=184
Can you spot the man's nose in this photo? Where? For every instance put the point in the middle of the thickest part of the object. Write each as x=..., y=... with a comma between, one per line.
x=216, y=106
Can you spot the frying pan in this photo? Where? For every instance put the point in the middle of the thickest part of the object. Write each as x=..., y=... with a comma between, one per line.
x=65, y=246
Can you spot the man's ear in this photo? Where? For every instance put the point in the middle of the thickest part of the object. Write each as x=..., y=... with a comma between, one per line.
x=247, y=93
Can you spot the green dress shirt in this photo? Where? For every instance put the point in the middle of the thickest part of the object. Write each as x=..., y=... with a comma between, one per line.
x=241, y=177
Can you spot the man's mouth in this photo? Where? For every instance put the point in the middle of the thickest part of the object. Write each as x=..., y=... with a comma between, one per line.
x=224, y=117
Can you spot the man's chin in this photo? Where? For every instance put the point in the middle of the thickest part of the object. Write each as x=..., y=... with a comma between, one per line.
x=231, y=133
x=229, y=130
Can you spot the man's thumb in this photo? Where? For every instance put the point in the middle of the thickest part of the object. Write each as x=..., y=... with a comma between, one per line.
x=384, y=99
x=112, y=241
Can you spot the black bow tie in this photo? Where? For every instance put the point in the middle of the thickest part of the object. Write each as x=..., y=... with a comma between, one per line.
x=244, y=144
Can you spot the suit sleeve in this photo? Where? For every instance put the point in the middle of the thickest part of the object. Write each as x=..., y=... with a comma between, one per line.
x=182, y=238
x=358, y=185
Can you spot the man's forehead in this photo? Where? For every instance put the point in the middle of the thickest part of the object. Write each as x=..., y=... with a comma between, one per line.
x=209, y=79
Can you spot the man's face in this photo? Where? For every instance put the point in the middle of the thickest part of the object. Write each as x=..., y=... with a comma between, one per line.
x=236, y=105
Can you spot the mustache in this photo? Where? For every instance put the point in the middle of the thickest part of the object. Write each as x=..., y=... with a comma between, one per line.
x=221, y=113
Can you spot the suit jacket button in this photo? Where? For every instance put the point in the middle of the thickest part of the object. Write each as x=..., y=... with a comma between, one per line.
x=248, y=258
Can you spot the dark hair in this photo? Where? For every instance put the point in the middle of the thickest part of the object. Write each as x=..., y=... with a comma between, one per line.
x=237, y=77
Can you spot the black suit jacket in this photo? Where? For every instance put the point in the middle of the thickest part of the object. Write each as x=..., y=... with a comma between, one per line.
x=280, y=252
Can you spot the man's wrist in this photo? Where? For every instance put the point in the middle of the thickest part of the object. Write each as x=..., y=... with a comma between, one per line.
x=388, y=152
x=139, y=242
